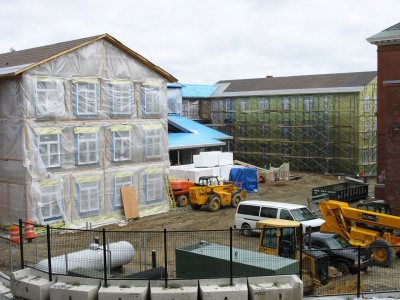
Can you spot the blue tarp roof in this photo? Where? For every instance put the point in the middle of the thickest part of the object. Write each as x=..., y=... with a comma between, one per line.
x=198, y=90
x=193, y=134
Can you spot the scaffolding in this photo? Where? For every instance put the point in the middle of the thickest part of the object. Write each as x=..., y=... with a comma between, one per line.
x=332, y=133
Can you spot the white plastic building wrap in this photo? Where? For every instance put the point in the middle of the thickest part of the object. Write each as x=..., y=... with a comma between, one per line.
x=76, y=129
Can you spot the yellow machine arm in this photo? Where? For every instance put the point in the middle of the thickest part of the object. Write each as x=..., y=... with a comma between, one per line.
x=358, y=226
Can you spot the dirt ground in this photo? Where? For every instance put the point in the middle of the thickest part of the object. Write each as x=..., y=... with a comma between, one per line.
x=295, y=191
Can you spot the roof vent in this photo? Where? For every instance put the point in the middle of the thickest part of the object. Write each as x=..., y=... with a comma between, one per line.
x=269, y=76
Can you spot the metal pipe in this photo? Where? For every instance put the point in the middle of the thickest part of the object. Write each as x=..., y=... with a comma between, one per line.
x=230, y=256
x=21, y=244
x=359, y=273
x=105, y=258
x=49, y=252
x=153, y=258
x=165, y=258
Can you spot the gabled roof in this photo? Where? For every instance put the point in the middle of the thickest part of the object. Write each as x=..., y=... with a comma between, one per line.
x=16, y=62
x=390, y=35
x=309, y=84
x=193, y=134
x=198, y=90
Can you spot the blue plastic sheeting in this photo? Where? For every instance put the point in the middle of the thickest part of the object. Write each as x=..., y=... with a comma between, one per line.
x=247, y=176
x=190, y=126
x=198, y=90
x=190, y=140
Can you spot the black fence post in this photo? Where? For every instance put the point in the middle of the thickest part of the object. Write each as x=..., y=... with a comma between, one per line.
x=105, y=258
x=165, y=258
x=301, y=254
x=21, y=243
x=153, y=259
x=230, y=257
x=358, y=272
x=49, y=252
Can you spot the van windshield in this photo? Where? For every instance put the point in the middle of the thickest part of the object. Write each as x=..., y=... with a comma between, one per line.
x=302, y=214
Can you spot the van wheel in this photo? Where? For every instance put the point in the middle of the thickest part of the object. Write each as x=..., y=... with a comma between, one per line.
x=246, y=230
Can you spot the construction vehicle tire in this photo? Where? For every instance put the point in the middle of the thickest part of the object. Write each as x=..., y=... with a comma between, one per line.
x=383, y=253
x=236, y=199
x=182, y=201
x=342, y=267
x=246, y=230
x=262, y=179
x=195, y=206
x=213, y=203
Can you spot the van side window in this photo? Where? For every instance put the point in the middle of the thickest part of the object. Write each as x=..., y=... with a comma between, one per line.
x=251, y=210
x=285, y=215
x=268, y=212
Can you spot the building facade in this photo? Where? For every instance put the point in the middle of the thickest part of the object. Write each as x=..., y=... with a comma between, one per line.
x=388, y=138
x=78, y=121
x=322, y=123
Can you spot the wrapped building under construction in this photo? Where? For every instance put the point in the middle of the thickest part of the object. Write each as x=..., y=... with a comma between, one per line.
x=78, y=121
x=324, y=123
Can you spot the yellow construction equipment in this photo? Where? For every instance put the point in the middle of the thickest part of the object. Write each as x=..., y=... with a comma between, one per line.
x=284, y=238
x=363, y=228
x=212, y=192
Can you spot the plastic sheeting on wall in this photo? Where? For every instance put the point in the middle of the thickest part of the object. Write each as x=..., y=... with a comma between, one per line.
x=76, y=129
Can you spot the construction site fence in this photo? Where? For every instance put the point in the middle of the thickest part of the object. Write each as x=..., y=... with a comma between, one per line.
x=172, y=255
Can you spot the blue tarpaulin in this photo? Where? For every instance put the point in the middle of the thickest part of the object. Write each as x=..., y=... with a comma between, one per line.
x=247, y=176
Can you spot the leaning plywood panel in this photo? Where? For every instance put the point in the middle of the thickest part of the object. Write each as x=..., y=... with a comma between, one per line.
x=131, y=209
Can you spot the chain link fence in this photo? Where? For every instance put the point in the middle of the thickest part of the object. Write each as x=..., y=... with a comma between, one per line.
x=172, y=255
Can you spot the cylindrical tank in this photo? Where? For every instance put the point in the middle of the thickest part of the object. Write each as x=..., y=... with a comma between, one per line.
x=118, y=254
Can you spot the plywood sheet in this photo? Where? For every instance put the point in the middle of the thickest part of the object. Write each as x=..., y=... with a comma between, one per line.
x=131, y=208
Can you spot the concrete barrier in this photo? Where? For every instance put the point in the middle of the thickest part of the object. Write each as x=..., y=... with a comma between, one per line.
x=124, y=290
x=75, y=288
x=275, y=288
x=31, y=284
x=176, y=290
x=220, y=289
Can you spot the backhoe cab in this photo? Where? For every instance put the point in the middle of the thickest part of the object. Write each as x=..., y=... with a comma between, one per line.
x=284, y=238
x=212, y=192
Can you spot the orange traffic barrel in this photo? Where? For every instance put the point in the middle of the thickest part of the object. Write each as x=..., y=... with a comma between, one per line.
x=29, y=233
x=14, y=235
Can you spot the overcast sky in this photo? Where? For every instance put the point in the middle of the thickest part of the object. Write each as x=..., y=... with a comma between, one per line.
x=203, y=41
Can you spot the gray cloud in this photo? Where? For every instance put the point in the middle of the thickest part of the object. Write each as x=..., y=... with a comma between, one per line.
x=206, y=41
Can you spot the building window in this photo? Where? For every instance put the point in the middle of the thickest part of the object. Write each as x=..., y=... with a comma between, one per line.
x=366, y=104
x=263, y=104
x=375, y=105
x=286, y=103
x=154, y=188
x=122, y=150
x=85, y=96
x=365, y=156
x=366, y=130
x=121, y=94
x=307, y=103
x=153, y=142
x=243, y=105
x=88, y=148
x=50, y=208
x=242, y=129
x=151, y=100
x=49, y=96
x=89, y=195
x=120, y=182
x=264, y=129
x=50, y=149
x=285, y=132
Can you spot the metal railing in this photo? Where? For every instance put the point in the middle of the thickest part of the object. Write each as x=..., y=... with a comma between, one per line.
x=171, y=255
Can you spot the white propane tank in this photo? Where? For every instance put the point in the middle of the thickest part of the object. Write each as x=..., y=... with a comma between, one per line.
x=118, y=254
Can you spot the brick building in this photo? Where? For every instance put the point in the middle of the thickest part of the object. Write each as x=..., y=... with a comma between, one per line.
x=388, y=115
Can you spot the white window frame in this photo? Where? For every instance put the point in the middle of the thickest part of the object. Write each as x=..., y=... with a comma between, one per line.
x=49, y=96
x=375, y=104
x=153, y=142
x=286, y=103
x=366, y=104
x=154, y=188
x=366, y=130
x=93, y=197
x=365, y=155
x=50, y=198
x=307, y=103
x=122, y=98
x=264, y=104
x=46, y=157
x=243, y=105
x=125, y=137
x=152, y=100
x=87, y=142
x=83, y=107
x=120, y=182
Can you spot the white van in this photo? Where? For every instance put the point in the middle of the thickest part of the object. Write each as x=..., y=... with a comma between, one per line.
x=250, y=211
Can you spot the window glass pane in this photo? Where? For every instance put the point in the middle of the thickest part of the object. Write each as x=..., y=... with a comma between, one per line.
x=269, y=212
